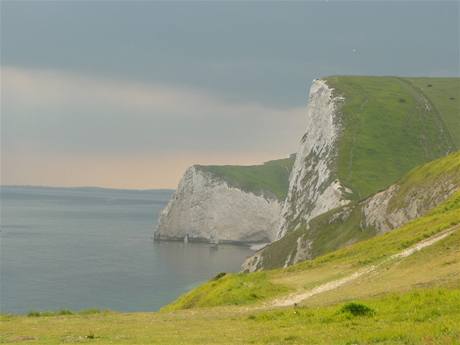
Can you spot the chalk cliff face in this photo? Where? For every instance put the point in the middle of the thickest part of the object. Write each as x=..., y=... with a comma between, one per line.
x=206, y=208
x=314, y=187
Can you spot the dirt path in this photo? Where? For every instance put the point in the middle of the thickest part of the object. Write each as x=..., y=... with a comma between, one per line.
x=334, y=284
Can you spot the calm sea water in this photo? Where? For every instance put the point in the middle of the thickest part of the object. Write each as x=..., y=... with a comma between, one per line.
x=93, y=248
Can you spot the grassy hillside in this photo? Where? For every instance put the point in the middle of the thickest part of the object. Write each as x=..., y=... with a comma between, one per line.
x=271, y=177
x=345, y=225
x=336, y=264
x=444, y=95
x=390, y=126
x=405, y=300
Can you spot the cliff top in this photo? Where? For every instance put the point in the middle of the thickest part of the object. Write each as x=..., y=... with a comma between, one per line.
x=269, y=178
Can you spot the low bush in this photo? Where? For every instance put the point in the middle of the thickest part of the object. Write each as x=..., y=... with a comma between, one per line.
x=357, y=309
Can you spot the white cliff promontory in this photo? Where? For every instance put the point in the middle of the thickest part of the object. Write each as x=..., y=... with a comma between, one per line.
x=313, y=186
x=206, y=208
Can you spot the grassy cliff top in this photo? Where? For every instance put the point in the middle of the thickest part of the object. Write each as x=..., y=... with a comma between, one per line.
x=270, y=178
x=391, y=125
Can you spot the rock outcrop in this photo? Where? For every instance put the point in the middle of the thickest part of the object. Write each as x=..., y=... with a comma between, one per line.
x=206, y=208
x=383, y=213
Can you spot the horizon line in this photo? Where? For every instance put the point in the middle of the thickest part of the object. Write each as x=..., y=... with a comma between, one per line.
x=87, y=187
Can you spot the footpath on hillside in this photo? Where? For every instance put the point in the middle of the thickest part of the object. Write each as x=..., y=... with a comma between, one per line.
x=298, y=297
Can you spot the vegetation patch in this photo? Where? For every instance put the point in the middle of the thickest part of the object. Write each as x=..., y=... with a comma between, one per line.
x=219, y=275
x=357, y=309
x=61, y=312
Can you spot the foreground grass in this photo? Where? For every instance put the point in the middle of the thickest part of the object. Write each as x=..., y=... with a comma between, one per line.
x=424, y=316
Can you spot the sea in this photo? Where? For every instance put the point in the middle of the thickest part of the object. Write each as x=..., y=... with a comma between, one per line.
x=85, y=248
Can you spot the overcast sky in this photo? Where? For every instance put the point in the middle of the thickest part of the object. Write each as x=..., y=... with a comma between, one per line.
x=128, y=94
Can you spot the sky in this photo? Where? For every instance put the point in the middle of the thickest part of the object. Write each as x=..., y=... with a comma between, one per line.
x=129, y=94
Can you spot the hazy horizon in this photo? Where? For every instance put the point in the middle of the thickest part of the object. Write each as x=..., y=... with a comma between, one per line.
x=84, y=187
x=142, y=90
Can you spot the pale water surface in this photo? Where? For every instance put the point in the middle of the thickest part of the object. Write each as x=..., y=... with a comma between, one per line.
x=93, y=248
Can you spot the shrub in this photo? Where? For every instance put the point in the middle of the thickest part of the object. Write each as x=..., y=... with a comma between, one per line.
x=219, y=275
x=33, y=314
x=357, y=309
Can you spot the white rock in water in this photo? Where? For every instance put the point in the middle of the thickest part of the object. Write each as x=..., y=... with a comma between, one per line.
x=206, y=208
x=313, y=186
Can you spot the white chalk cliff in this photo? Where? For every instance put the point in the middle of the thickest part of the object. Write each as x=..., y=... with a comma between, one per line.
x=313, y=186
x=206, y=208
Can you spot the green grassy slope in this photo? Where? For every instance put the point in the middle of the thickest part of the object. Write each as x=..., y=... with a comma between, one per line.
x=412, y=300
x=271, y=177
x=345, y=225
x=389, y=127
x=231, y=289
